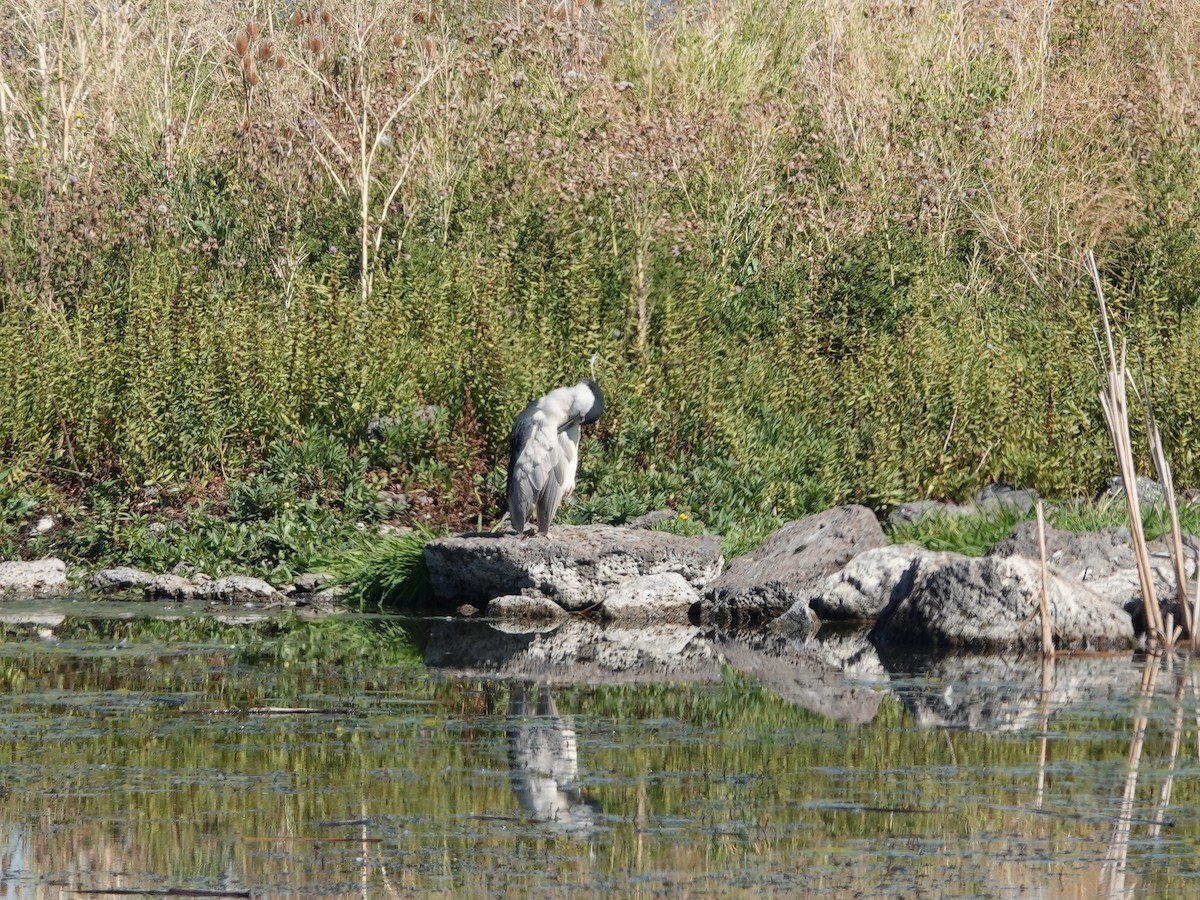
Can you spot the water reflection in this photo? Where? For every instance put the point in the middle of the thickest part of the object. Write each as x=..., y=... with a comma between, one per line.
x=1004, y=692
x=836, y=674
x=544, y=760
x=811, y=765
x=573, y=650
x=1115, y=881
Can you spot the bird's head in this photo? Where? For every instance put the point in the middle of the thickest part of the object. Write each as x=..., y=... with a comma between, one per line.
x=589, y=400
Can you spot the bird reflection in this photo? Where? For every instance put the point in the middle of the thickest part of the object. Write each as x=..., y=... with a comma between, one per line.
x=544, y=762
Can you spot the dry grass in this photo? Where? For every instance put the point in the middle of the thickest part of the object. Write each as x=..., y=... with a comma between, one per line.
x=800, y=230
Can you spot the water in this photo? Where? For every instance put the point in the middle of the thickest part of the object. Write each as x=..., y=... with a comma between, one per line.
x=282, y=758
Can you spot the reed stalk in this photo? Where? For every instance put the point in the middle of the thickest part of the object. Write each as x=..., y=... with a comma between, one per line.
x=1115, y=404
x=1044, y=597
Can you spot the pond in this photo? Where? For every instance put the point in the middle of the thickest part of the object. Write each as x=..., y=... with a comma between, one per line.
x=381, y=757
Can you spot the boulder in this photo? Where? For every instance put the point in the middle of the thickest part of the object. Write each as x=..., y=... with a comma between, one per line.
x=169, y=587
x=990, y=501
x=919, y=510
x=34, y=576
x=577, y=567
x=238, y=589
x=311, y=582
x=1149, y=491
x=991, y=604
x=518, y=608
x=650, y=599
x=120, y=578
x=572, y=650
x=790, y=563
x=869, y=582
x=1103, y=560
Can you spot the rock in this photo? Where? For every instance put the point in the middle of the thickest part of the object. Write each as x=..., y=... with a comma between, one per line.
x=991, y=603
x=871, y=581
x=1149, y=491
x=238, y=589
x=120, y=578
x=517, y=607
x=43, y=525
x=1103, y=560
x=572, y=650
x=650, y=599
x=576, y=568
x=1001, y=497
x=169, y=587
x=33, y=576
x=919, y=510
x=764, y=584
x=811, y=672
x=650, y=519
x=311, y=582
x=989, y=501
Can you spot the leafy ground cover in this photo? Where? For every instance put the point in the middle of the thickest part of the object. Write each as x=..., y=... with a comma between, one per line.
x=825, y=252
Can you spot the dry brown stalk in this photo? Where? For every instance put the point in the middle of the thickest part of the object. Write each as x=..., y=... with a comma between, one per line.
x=1114, y=402
x=1165, y=478
x=1047, y=626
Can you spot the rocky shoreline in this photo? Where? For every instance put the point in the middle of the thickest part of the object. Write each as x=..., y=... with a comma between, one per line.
x=833, y=567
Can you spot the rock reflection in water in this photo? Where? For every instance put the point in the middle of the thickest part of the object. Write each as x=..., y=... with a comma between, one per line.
x=1003, y=692
x=544, y=761
x=574, y=650
x=836, y=674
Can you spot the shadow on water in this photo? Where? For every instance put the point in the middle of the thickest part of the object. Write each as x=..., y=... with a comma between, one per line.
x=374, y=757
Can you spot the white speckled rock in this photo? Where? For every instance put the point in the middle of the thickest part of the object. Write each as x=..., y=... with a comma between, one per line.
x=577, y=568
x=34, y=576
x=665, y=597
x=238, y=589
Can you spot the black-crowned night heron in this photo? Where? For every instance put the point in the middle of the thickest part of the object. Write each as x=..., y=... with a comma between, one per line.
x=543, y=451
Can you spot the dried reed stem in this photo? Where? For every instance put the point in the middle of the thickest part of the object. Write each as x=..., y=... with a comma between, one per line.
x=1114, y=402
x=1163, y=468
x=1047, y=627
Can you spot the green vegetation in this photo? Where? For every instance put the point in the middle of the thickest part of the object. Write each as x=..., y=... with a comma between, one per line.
x=828, y=252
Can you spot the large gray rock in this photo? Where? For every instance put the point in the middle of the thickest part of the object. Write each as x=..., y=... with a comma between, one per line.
x=871, y=581
x=1103, y=560
x=169, y=587
x=650, y=599
x=33, y=576
x=991, y=603
x=992, y=500
x=120, y=578
x=573, y=650
x=577, y=568
x=789, y=564
x=238, y=589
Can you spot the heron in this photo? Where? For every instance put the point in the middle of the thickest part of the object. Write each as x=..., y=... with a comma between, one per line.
x=543, y=451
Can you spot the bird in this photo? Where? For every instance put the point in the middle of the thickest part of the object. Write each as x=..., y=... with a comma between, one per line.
x=543, y=451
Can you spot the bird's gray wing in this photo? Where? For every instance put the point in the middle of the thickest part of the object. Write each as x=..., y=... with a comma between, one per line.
x=533, y=456
x=560, y=478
